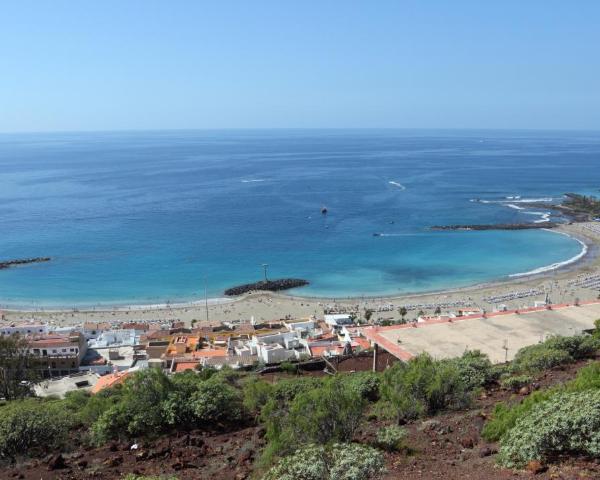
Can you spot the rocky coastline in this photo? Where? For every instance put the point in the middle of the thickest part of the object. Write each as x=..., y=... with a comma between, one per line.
x=23, y=261
x=266, y=285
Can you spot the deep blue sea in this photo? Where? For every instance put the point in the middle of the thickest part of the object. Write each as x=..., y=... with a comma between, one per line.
x=145, y=217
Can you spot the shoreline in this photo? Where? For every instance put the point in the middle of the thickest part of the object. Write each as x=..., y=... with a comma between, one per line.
x=585, y=258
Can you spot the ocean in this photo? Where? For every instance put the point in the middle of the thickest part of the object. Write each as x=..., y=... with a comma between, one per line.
x=151, y=217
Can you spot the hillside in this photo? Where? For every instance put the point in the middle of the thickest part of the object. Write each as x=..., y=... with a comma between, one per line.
x=442, y=434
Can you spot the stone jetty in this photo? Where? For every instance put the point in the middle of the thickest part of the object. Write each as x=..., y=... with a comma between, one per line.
x=22, y=261
x=269, y=285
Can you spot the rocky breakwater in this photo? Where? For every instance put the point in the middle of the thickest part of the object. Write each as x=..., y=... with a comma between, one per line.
x=268, y=285
x=22, y=261
x=498, y=226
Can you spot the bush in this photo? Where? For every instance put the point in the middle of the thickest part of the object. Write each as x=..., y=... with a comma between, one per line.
x=391, y=438
x=555, y=351
x=505, y=416
x=536, y=358
x=256, y=394
x=475, y=369
x=331, y=412
x=289, y=367
x=338, y=462
x=366, y=384
x=516, y=383
x=424, y=386
x=286, y=390
x=216, y=401
x=568, y=423
x=32, y=426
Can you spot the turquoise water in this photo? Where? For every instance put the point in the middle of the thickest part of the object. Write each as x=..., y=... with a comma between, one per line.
x=144, y=217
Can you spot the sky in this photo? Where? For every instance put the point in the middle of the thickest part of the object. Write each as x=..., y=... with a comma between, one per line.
x=149, y=64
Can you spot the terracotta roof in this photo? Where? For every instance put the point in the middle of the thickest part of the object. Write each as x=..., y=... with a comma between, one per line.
x=110, y=380
x=210, y=352
x=183, y=366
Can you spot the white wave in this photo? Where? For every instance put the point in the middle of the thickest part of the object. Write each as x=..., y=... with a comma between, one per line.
x=554, y=266
x=399, y=185
x=515, y=200
x=516, y=207
x=531, y=200
x=254, y=180
x=515, y=197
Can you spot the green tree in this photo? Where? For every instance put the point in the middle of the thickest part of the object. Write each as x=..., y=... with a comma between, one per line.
x=18, y=367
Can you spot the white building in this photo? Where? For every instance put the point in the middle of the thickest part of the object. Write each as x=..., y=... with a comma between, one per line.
x=114, y=338
x=24, y=329
x=300, y=325
x=278, y=347
x=338, y=320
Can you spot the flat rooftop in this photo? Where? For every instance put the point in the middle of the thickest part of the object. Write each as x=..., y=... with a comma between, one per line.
x=447, y=339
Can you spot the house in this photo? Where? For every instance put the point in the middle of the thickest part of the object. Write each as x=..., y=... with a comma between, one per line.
x=112, y=379
x=278, y=347
x=338, y=320
x=58, y=354
x=92, y=330
x=301, y=325
x=24, y=329
x=115, y=338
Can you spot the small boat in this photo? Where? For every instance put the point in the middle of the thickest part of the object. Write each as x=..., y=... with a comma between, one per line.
x=377, y=234
x=324, y=210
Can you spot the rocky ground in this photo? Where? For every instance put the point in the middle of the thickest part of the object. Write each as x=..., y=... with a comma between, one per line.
x=448, y=446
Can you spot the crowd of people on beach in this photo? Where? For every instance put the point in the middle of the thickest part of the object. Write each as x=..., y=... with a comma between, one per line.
x=589, y=281
x=532, y=292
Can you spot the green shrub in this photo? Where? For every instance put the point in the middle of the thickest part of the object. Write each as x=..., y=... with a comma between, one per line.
x=256, y=394
x=33, y=426
x=516, y=382
x=341, y=461
x=366, y=384
x=391, y=438
x=555, y=351
x=217, y=401
x=568, y=423
x=331, y=412
x=289, y=367
x=475, y=369
x=424, y=386
x=505, y=416
x=587, y=378
x=536, y=358
x=286, y=390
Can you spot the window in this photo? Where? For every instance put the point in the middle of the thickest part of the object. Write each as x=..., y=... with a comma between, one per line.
x=64, y=349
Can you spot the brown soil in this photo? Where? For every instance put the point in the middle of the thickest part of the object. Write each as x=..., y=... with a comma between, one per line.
x=448, y=446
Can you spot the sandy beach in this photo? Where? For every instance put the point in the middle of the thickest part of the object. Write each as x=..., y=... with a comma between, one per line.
x=577, y=278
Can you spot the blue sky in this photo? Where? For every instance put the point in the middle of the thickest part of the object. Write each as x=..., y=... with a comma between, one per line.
x=117, y=64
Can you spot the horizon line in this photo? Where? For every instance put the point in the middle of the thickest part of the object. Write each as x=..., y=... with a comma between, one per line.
x=339, y=129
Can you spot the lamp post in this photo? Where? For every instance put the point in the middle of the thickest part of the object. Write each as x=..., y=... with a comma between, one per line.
x=206, y=299
x=265, y=266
